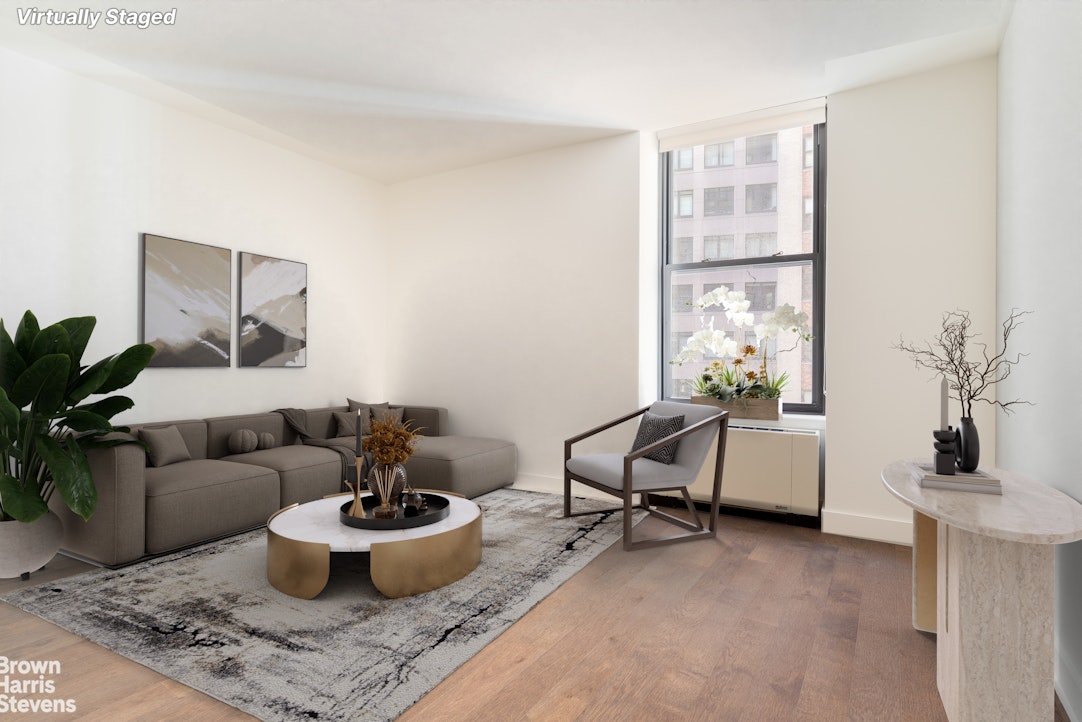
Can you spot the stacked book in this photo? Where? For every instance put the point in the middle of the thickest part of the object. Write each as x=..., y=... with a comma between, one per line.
x=977, y=481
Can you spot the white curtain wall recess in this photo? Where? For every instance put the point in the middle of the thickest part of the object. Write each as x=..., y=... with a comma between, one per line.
x=793, y=115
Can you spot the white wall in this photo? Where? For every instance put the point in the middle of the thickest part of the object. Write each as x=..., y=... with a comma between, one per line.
x=86, y=168
x=1040, y=182
x=910, y=234
x=516, y=296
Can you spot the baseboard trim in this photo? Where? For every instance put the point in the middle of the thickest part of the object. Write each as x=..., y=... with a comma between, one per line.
x=892, y=531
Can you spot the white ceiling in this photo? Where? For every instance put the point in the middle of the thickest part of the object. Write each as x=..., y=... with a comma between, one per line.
x=394, y=89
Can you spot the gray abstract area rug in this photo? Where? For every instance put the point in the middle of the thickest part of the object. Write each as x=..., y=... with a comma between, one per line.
x=208, y=618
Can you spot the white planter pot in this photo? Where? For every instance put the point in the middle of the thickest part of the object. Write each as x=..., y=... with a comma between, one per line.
x=25, y=548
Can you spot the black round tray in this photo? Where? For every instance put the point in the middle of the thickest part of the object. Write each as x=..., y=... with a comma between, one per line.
x=439, y=507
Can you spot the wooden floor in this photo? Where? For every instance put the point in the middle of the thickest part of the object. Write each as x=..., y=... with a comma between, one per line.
x=768, y=622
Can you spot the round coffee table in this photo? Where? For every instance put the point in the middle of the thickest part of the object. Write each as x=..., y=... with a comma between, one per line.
x=404, y=562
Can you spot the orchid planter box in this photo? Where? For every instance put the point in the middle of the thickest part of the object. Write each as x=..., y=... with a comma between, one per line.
x=741, y=408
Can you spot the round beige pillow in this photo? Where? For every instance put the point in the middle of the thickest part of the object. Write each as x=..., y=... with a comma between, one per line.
x=266, y=440
x=242, y=441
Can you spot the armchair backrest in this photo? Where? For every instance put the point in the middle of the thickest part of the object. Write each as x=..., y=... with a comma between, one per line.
x=691, y=450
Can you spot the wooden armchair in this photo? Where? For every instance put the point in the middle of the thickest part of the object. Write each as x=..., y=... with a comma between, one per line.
x=625, y=475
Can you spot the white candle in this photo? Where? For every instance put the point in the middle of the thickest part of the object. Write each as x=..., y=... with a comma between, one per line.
x=943, y=404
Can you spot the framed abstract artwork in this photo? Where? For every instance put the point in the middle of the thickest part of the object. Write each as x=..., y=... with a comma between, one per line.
x=273, y=324
x=186, y=302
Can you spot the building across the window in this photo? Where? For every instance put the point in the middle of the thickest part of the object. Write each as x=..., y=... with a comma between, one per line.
x=685, y=204
x=717, y=155
x=718, y=247
x=718, y=201
x=759, y=233
x=761, y=198
x=762, y=149
x=684, y=159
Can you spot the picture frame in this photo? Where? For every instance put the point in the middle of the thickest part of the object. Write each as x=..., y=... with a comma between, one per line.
x=185, y=302
x=272, y=323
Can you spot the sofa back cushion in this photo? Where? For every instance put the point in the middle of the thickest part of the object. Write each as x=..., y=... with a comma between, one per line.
x=193, y=431
x=219, y=429
x=427, y=420
x=321, y=423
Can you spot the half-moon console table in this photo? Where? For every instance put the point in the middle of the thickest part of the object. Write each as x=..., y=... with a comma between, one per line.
x=992, y=580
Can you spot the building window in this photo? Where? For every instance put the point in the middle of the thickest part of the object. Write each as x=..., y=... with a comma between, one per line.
x=759, y=245
x=756, y=247
x=683, y=159
x=718, y=201
x=685, y=249
x=761, y=149
x=809, y=150
x=685, y=204
x=716, y=248
x=761, y=198
x=718, y=155
x=762, y=296
x=682, y=296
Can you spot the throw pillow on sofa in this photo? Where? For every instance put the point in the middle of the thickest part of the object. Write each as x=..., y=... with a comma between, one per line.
x=347, y=423
x=384, y=413
x=266, y=441
x=242, y=441
x=165, y=445
x=366, y=415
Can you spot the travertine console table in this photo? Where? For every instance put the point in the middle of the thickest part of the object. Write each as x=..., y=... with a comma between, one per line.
x=992, y=580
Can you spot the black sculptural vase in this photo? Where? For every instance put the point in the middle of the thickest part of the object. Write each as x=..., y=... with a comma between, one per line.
x=967, y=449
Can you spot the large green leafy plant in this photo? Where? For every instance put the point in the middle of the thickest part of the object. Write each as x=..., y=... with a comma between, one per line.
x=46, y=424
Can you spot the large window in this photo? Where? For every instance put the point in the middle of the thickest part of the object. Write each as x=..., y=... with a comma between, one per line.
x=764, y=243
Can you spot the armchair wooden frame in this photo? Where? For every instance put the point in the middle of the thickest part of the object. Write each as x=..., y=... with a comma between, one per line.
x=695, y=529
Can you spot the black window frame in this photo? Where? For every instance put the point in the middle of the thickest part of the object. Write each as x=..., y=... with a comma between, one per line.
x=816, y=258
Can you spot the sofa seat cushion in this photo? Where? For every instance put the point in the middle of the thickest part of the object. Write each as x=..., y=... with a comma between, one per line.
x=465, y=465
x=306, y=472
x=202, y=499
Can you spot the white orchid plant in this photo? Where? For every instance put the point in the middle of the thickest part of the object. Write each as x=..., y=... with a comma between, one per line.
x=733, y=375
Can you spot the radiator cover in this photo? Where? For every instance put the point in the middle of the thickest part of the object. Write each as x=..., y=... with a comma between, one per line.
x=766, y=468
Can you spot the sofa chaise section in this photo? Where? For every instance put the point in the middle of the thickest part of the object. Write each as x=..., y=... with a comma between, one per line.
x=465, y=465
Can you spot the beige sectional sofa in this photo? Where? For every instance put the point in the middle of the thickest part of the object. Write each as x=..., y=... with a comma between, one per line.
x=197, y=480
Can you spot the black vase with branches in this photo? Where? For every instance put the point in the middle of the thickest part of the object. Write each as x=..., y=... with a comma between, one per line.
x=969, y=379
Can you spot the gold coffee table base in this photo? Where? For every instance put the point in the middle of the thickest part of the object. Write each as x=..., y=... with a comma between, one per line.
x=414, y=566
x=398, y=568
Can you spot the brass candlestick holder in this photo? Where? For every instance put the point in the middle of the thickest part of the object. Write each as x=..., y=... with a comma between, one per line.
x=355, y=484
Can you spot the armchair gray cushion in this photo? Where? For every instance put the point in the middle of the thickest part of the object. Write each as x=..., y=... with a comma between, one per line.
x=646, y=475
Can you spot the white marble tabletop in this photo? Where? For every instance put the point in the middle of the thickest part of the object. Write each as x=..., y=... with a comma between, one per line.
x=317, y=521
x=1027, y=511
